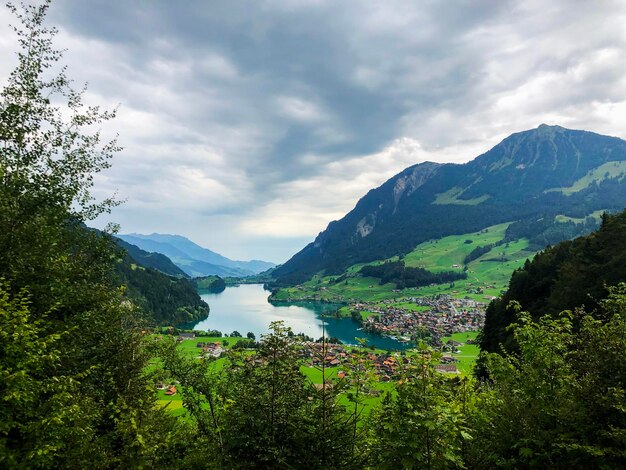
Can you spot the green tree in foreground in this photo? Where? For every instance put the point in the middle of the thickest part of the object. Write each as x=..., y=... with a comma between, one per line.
x=423, y=426
x=561, y=401
x=38, y=416
x=72, y=359
x=260, y=411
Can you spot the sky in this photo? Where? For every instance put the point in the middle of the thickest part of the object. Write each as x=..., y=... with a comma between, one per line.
x=248, y=126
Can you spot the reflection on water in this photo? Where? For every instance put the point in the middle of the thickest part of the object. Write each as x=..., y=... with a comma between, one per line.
x=245, y=309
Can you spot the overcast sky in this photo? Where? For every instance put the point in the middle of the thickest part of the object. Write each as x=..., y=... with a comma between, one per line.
x=248, y=126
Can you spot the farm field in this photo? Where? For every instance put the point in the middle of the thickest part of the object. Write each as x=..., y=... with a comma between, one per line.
x=488, y=275
x=174, y=405
x=468, y=353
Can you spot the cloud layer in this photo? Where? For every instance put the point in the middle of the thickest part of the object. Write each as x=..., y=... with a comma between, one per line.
x=248, y=126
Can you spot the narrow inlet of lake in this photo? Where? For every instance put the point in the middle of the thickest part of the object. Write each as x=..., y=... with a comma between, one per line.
x=245, y=308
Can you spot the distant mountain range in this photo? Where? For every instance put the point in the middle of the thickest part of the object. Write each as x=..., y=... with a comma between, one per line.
x=536, y=178
x=152, y=260
x=192, y=259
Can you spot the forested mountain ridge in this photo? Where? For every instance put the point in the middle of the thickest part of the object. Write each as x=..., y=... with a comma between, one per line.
x=157, y=286
x=531, y=175
x=193, y=259
x=571, y=274
x=165, y=300
x=153, y=260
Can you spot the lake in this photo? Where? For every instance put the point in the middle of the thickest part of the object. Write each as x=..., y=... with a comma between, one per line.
x=245, y=308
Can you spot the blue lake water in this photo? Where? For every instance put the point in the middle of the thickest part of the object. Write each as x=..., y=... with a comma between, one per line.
x=245, y=308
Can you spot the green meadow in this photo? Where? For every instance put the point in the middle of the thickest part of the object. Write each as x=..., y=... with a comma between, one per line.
x=607, y=170
x=468, y=353
x=488, y=275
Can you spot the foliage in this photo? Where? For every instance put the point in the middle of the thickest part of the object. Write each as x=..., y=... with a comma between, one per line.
x=559, y=402
x=477, y=253
x=165, y=300
x=564, y=277
x=423, y=426
x=32, y=398
x=547, y=231
x=401, y=276
x=259, y=410
x=74, y=386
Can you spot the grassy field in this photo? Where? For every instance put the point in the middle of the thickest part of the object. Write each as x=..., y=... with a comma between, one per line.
x=604, y=171
x=468, y=353
x=442, y=254
x=488, y=275
x=173, y=403
x=452, y=197
x=408, y=306
x=596, y=215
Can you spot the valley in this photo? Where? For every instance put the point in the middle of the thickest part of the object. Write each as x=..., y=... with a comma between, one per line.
x=452, y=289
x=487, y=275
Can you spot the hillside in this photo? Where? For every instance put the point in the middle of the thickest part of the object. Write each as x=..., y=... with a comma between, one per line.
x=569, y=275
x=157, y=261
x=165, y=300
x=162, y=290
x=529, y=177
x=194, y=260
x=213, y=284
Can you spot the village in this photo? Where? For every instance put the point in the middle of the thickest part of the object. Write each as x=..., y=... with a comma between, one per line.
x=342, y=358
x=434, y=318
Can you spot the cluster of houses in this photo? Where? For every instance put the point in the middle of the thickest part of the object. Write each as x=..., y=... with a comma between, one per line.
x=444, y=315
x=211, y=349
x=387, y=366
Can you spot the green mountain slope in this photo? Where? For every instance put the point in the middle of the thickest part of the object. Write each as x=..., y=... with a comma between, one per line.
x=153, y=260
x=569, y=275
x=488, y=257
x=165, y=300
x=530, y=176
x=158, y=286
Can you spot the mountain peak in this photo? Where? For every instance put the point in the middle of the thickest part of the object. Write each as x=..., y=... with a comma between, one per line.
x=545, y=130
x=548, y=126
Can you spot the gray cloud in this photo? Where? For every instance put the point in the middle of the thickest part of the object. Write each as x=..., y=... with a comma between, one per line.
x=250, y=125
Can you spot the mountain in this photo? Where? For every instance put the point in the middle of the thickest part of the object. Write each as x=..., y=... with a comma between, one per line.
x=165, y=300
x=161, y=290
x=569, y=275
x=531, y=176
x=152, y=260
x=193, y=259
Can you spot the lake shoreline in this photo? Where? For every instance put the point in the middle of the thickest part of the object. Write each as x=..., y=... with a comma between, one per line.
x=246, y=308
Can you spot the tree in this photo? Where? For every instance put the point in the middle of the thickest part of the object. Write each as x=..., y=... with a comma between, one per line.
x=424, y=425
x=32, y=398
x=48, y=160
x=251, y=336
x=60, y=295
x=560, y=400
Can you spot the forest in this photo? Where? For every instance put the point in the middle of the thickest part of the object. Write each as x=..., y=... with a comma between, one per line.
x=78, y=374
x=402, y=277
